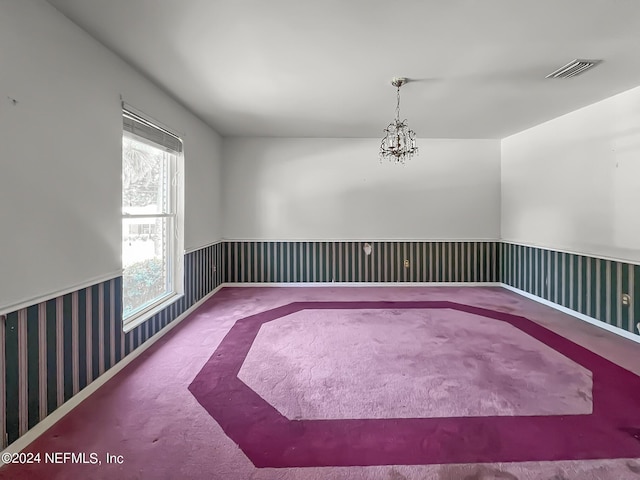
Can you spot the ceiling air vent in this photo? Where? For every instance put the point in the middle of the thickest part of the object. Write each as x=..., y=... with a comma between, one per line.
x=571, y=69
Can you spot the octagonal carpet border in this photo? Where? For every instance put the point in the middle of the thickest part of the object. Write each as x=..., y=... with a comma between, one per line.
x=271, y=440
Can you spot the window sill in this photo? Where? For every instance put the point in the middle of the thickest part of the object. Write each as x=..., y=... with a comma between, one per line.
x=145, y=315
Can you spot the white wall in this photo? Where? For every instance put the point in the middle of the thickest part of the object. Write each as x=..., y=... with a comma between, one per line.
x=574, y=183
x=336, y=189
x=60, y=155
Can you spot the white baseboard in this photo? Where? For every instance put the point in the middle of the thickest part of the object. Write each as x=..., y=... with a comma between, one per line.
x=363, y=284
x=22, y=442
x=573, y=313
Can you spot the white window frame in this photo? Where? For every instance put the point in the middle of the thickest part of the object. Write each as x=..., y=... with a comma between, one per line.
x=175, y=267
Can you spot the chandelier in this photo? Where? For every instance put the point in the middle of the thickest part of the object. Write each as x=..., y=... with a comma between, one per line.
x=399, y=143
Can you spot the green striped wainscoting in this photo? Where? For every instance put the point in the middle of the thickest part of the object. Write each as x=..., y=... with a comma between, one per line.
x=52, y=350
x=588, y=285
x=284, y=262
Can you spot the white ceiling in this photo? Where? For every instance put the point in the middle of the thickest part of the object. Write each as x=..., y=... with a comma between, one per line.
x=300, y=68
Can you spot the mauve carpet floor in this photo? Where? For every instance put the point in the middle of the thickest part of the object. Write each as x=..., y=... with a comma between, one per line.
x=385, y=383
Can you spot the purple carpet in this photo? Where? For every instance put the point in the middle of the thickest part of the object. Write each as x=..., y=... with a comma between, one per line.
x=270, y=439
x=409, y=363
x=147, y=414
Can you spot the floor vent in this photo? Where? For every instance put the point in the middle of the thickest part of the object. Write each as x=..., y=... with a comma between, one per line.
x=573, y=68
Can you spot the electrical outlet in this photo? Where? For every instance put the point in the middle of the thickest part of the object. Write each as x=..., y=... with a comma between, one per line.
x=626, y=299
x=406, y=264
x=215, y=269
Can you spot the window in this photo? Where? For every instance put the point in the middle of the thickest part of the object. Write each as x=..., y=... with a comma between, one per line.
x=152, y=258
